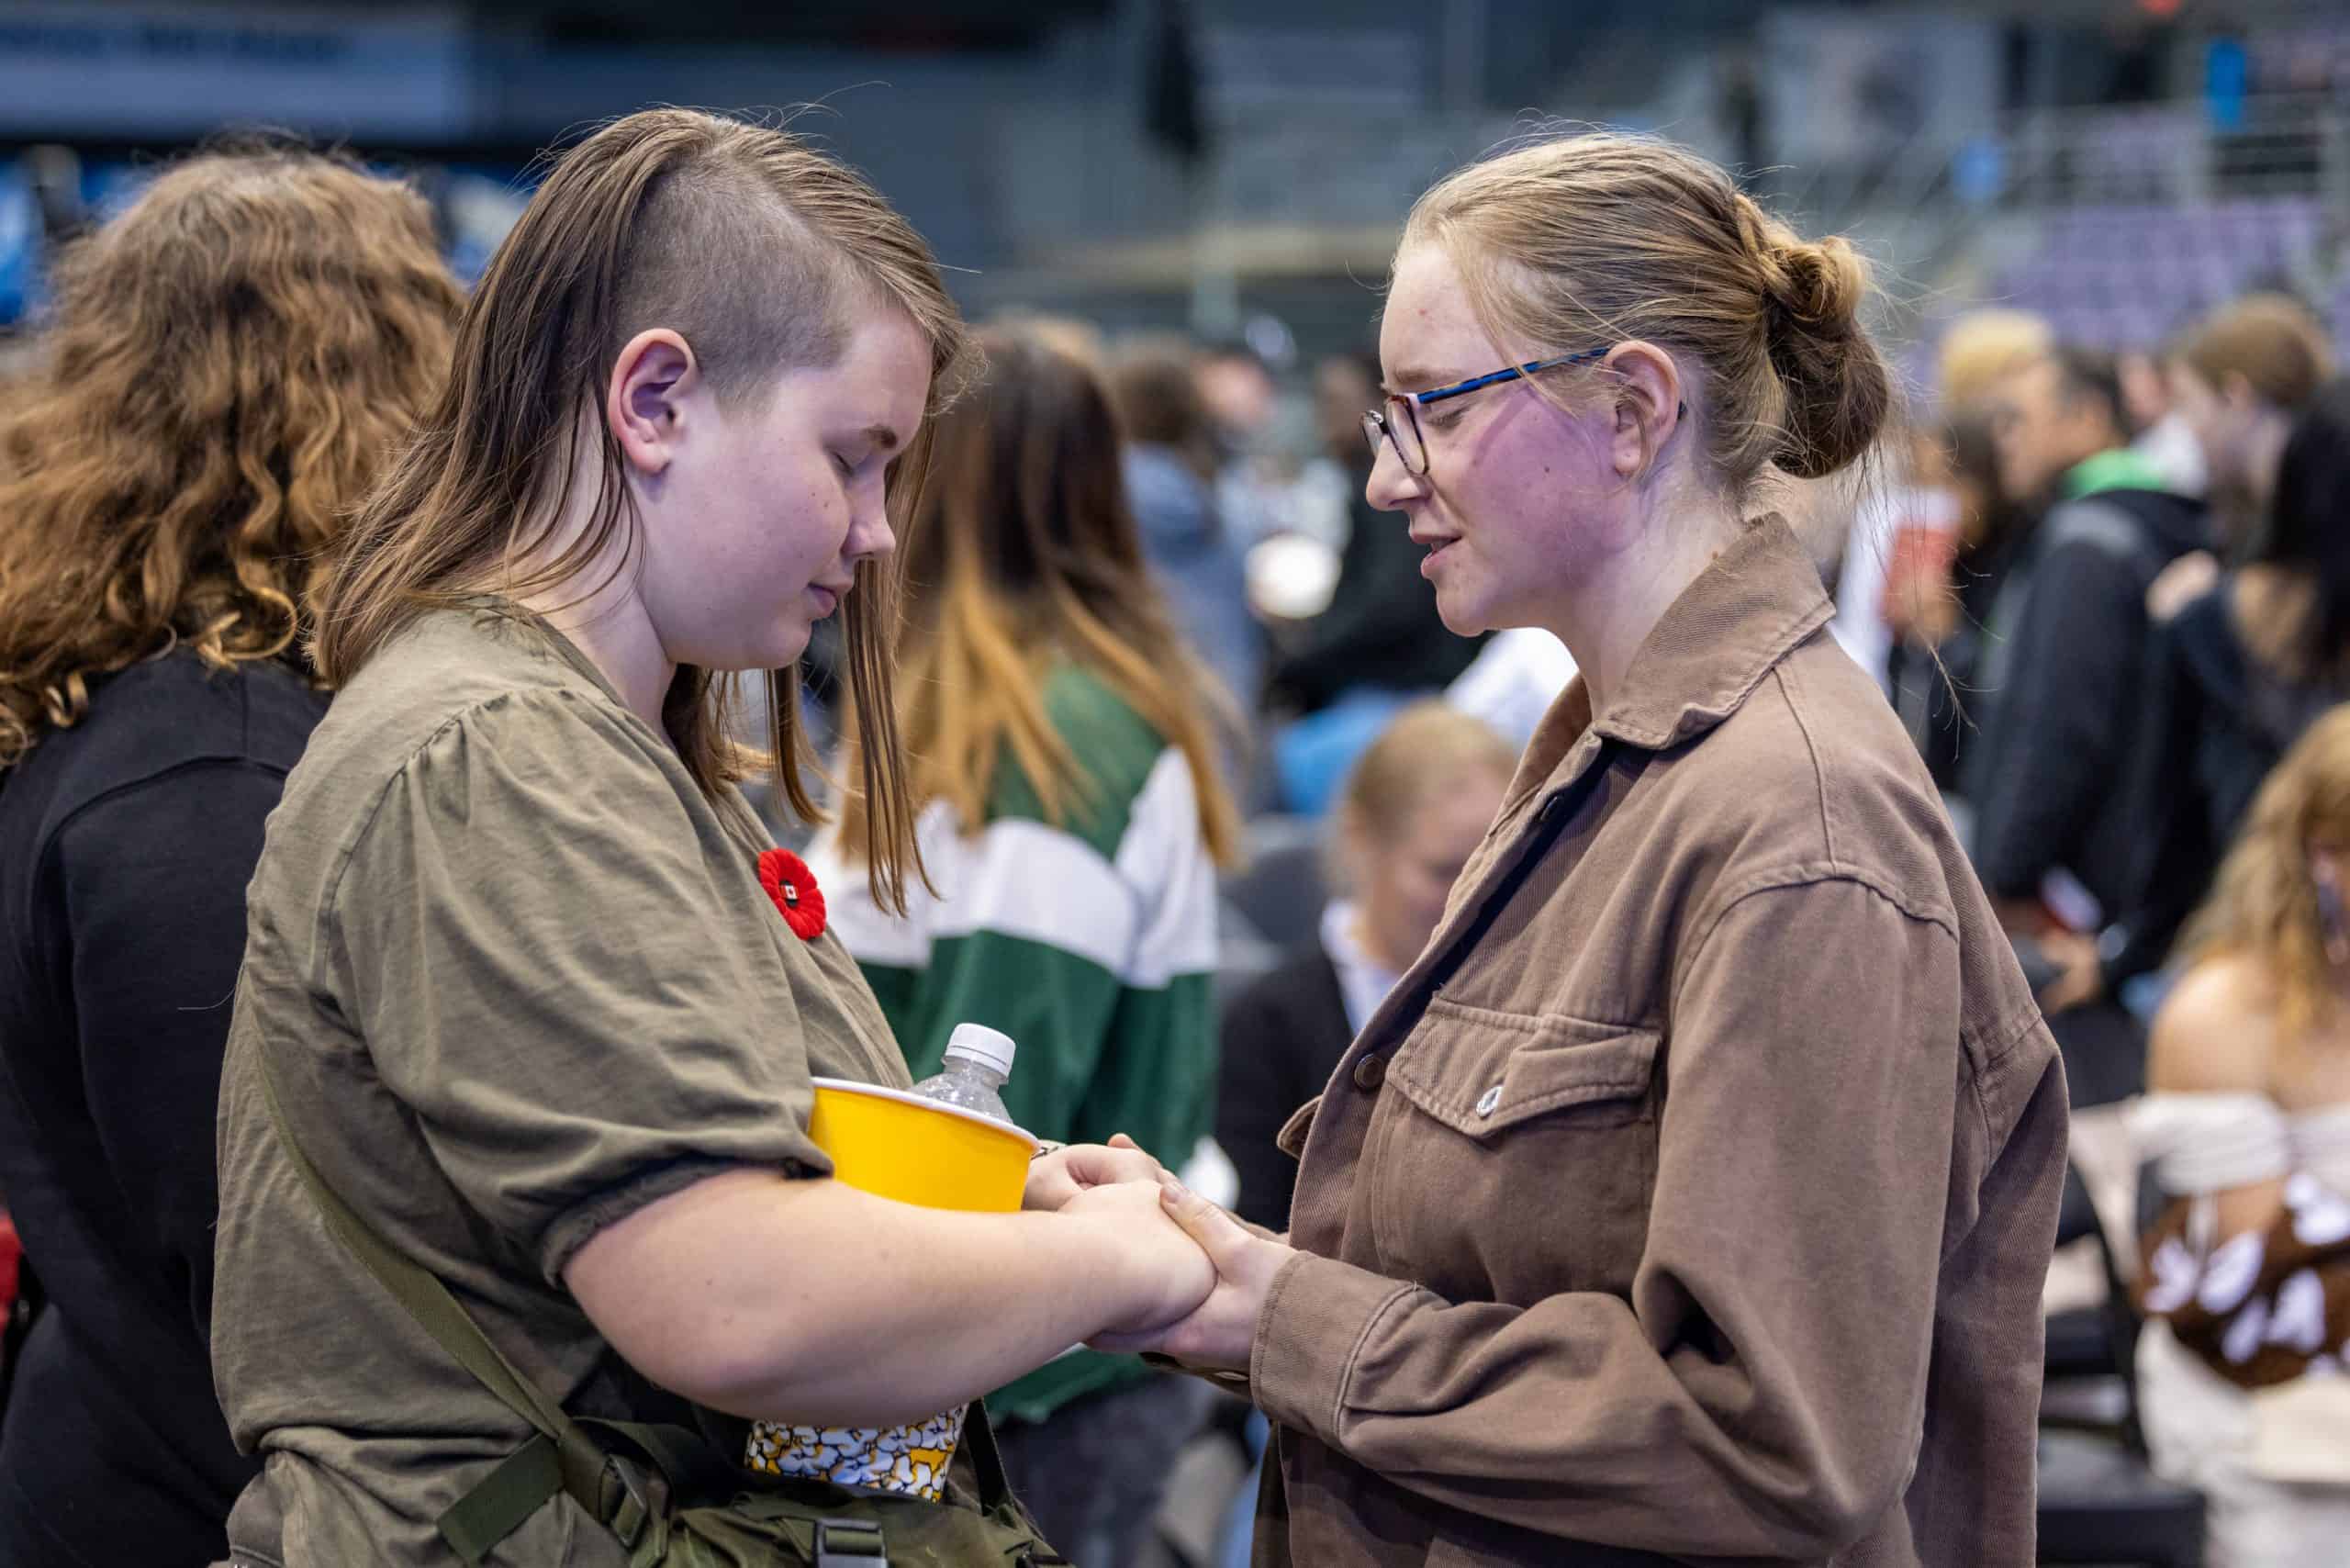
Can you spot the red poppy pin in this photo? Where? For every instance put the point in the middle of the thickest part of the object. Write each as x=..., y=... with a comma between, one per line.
x=788, y=881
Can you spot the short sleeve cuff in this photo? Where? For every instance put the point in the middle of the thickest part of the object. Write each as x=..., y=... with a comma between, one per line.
x=1310, y=1333
x=575, y=1225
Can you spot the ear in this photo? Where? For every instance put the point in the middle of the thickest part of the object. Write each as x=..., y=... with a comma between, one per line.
x=2235, y=391
x=1647, y=405
x=645, y=404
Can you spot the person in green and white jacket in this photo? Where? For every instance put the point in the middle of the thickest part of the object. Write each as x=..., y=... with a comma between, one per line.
x=1072, y=821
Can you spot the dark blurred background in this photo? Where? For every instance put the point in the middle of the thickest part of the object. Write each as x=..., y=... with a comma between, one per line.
x=1240, y=168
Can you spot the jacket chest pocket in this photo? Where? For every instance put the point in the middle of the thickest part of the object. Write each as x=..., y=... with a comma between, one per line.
x=1518, y=1154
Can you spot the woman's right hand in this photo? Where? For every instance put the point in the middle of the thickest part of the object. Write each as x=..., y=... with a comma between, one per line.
x=1166, y=1273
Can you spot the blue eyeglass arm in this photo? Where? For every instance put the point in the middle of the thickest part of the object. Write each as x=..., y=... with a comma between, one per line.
x=1512, y=374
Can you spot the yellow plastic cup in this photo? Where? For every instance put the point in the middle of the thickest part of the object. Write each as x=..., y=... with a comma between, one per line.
x=898, y=1145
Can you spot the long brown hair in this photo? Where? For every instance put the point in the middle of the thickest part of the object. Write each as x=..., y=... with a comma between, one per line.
x=231, y=362
x=1585, y=240
x=754, y=248
x=2264, y=904
x=1026, y=552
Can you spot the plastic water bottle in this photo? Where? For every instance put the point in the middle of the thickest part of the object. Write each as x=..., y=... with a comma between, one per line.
x=979, y=1059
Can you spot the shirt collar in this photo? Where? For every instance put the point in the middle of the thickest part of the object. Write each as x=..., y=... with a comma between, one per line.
x=1747, y=611
x=499, y=607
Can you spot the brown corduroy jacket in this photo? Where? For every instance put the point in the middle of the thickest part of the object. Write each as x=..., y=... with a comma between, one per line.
x=1690, y=1198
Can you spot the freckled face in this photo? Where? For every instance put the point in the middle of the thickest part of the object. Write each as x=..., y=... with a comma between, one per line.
x=1520, y=498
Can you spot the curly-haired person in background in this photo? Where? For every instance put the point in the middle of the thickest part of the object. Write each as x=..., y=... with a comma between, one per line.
x=2246, y=1125
x=231, y=362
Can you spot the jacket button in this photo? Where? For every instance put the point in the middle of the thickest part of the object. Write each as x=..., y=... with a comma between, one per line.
x=1489, y=1101
x=1370, y=1073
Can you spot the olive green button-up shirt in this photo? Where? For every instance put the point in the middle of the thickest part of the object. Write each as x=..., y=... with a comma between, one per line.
x=516, y=978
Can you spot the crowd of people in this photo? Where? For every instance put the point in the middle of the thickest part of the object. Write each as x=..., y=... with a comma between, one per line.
x=2115, y=608
x=471, y=762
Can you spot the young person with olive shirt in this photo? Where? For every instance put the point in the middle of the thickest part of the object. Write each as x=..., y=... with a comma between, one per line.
x=511, y=974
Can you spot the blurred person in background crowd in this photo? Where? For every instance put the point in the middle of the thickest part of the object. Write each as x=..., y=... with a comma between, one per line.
x=1937, y=603
x=2066, y=650
x=1237, y=390
x=2239, y=671
x=1072, y=819
x=2239, y=379
x=1380, y=642
x=230, y=362
x=1942, y=582
x=2165, y=439
x=532, y=996
x=1904, y=538
x=1415, y=806
x=1243, y=403
x=1980, y=349
x=1170, y=468
x=1792, y=1310
x=2246, y=1125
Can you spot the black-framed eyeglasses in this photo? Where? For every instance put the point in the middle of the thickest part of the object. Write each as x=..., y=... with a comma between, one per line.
x=1402, y=431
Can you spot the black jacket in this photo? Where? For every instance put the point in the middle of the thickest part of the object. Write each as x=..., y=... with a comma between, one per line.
x=1282, y=1038
x=2216, y=722
x=125, y=843
x=2065, y=663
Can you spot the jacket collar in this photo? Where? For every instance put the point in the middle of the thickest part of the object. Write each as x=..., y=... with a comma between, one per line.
x=1746, y=611
x=2122, y=468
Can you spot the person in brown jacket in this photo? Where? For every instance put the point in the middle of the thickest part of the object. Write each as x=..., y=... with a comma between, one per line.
x=1691, y=1195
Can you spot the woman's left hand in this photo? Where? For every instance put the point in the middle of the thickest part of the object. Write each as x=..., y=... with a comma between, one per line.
x=1055, y=1178
x=1222, y=1333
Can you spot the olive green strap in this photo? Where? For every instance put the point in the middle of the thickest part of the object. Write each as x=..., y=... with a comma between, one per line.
x=577, y=1463
x=495, y=1508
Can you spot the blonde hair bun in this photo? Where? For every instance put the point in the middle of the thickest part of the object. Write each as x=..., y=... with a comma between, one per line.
x=1576, y=240
x=1837, y=388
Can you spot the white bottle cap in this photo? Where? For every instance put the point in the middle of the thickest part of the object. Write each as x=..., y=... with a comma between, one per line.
x=981, y=1044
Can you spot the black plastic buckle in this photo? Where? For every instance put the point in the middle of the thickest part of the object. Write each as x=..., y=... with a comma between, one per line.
x=847, y=1543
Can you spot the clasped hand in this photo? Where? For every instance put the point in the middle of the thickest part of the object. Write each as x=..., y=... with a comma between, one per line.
x=1215, y=1333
